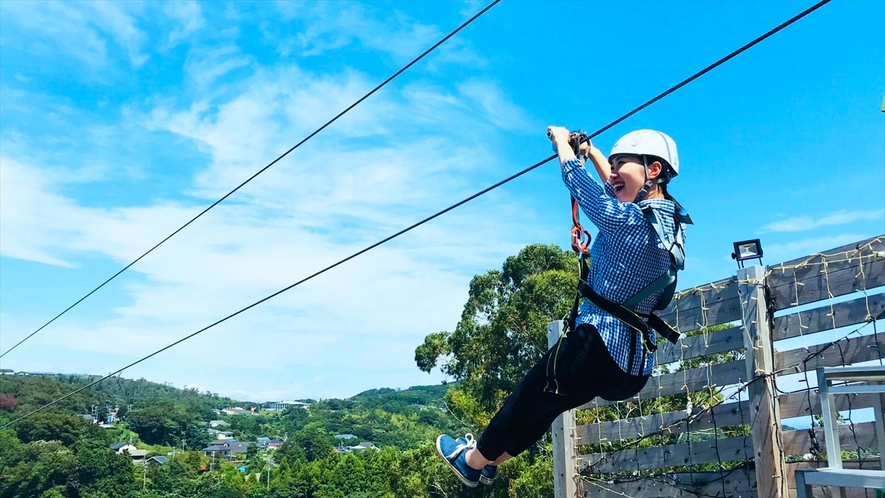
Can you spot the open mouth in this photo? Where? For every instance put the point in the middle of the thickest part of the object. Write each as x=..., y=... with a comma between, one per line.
x=618, y=185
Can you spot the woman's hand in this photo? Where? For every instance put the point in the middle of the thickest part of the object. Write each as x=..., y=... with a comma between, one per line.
x=585, y=148
x=558, y=135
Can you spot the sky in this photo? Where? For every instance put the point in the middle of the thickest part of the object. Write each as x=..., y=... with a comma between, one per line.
x=123, y=120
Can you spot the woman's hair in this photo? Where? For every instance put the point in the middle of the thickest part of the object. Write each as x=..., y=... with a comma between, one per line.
x=663, y=187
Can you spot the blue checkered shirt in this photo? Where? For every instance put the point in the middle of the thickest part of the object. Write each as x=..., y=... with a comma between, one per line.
x=626, y=256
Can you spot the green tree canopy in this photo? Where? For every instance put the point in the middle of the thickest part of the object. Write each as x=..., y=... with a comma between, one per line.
x=503, y=328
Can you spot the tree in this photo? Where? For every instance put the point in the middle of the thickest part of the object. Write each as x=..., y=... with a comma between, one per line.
x=503, y=327
x=165, y=422
x=51, y=426
x=8, y=403
x=314, y=441
x=105, y=472
x=38, y=467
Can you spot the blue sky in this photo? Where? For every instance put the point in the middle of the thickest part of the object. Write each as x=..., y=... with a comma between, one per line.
x=121, y=121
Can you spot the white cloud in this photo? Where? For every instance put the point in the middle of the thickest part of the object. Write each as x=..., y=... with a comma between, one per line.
x=78, y=30
x=206, y=65
x=189, y=17
x=497, y=108
x=114, y=20
x=797, y=248
x=54, y=27
x=331, y=26
x=36, y=223
x=804, y=223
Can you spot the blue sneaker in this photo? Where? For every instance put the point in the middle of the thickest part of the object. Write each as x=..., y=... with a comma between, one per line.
x=487, y=474
x=454, y=453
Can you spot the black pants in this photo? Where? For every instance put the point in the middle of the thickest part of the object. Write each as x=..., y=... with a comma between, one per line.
x=584, y=371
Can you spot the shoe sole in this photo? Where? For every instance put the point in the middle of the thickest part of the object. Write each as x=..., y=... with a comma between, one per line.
x=469, y=484
x=486, y=481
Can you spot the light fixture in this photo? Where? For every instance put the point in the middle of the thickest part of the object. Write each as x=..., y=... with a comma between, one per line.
x=747, y=249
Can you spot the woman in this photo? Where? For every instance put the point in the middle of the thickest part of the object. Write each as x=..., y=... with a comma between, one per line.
x=635, y=257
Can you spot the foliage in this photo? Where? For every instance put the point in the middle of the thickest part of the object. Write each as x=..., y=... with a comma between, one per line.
x=503, y=328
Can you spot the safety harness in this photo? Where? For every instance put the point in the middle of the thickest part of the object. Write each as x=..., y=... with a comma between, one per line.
x=626, y=312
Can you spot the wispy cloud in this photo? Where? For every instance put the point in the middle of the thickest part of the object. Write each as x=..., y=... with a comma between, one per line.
x=187, y=15
x=205, y=66
x=331, y=26
x=804, y=223
x=78, y=30
x=777, y=252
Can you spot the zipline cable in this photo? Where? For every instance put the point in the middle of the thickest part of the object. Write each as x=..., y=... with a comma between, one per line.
x=438, y=214
x=262, y=170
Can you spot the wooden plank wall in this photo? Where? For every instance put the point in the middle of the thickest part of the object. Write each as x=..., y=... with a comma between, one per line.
x=851, y=269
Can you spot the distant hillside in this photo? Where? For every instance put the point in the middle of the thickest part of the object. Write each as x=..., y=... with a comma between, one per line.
x=165, y=415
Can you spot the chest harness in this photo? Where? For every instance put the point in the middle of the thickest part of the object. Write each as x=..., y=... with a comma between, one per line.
x=640, y=322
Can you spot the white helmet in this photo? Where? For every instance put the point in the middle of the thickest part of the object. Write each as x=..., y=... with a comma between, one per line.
x=649, y=143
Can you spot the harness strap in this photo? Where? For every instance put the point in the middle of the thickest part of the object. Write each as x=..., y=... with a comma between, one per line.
x=662, y=327
x=667, y=281
x=628, y=317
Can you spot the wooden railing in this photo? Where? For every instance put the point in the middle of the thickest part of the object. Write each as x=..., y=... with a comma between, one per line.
x=684, y=452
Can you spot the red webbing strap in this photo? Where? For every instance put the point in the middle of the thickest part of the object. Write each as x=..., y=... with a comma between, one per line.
x=580, y=237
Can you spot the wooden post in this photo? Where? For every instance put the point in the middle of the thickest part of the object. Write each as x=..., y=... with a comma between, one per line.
x=764, y=409
x=565, y=458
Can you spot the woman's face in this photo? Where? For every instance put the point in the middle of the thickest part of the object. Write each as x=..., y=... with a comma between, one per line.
x=627, y=176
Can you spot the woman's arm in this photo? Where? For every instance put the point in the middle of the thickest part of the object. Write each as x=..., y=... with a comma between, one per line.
x=603, y=208
x=560, y=137
x=600, y=162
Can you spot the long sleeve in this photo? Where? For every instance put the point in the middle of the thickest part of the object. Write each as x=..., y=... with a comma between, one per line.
x=598, y=201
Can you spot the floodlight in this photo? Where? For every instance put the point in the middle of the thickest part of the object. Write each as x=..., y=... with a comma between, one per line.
x=747, y=249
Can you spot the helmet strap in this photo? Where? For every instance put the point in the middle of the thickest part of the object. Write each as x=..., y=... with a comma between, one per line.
x=643, y=192
x=649, y=184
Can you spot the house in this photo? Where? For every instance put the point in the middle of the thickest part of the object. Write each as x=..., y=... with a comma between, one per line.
x=220, y=434
x=226, y=449
x=278, y=406
x=235, y=411
x=217, y=450
x=156, y=460
x=121, y=447
x=261, y=442
x=365, y=445
x=215, y=424
x=274, y=444
x=137, y=456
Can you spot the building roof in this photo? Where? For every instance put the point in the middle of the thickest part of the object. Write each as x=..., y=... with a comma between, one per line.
x=225, y=446
x=235, y=410
x=159, y=459
x=217, y=447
